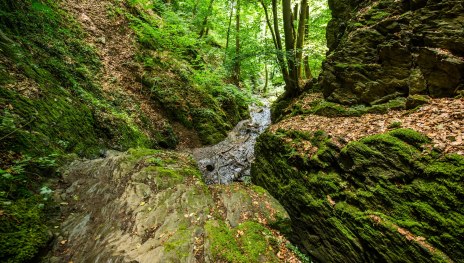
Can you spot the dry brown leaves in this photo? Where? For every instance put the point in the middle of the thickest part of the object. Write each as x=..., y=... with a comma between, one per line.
x=442, y=120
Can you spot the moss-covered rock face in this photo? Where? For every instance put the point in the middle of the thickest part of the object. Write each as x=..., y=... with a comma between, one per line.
x=380, y=49
x=152, y=206
x=380, y=199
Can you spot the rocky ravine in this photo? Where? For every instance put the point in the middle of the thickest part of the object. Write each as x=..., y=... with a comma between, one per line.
x=388, y=48
x=152, y=206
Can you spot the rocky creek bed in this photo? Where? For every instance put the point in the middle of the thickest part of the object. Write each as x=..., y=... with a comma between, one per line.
x=230, y=160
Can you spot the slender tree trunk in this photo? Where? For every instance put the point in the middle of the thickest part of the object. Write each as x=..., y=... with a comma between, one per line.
x=266, y=79
x=301, y=35
x=237, y=46
x=204, y=25
x=276, y=39
x=307, y=22
x=228, y=29
x=292, y=85
x=295, y=20
x=268, y=23
x=307, y=69
x=195, y=8
x=280, y=54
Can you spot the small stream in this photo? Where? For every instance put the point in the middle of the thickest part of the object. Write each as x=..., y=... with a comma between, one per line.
x=230, y=160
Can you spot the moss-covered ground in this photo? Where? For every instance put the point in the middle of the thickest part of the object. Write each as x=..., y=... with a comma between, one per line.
x=384, y=198
x=52, y=104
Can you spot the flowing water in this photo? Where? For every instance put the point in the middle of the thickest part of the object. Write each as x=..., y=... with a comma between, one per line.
x=230, y=160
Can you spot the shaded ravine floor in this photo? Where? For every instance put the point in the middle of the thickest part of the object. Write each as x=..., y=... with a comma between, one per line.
x=230, y=160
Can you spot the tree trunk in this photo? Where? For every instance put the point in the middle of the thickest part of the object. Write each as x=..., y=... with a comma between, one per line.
x=280, y=54
x=237, y=46
x=292, y=84
x=307, y=69
x=266, y=79
x=195, y=8
x=228, y=29
x=307, y=22
x=204, y=25
x=301, y=35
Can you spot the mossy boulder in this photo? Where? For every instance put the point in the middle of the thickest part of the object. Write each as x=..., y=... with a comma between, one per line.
x=152, y=206
x=414, y=101
x=380, y=49
x=383, y=198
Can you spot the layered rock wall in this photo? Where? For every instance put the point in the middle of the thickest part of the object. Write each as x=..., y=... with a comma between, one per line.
x=388, y=48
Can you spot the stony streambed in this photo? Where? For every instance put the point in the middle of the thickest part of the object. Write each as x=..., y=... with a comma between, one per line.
x=230, y=160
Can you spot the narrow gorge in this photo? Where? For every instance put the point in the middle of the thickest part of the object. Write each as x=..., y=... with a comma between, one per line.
x=231, y=131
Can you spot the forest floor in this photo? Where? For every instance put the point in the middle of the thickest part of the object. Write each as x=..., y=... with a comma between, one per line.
x=442, y=120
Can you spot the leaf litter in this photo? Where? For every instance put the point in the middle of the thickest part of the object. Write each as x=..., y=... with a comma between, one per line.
x=442, y=120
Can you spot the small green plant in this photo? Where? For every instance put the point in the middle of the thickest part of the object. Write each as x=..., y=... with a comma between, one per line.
x=303, y=257
x=394, y=125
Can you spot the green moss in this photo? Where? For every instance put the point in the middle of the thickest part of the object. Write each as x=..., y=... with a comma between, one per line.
x=256, y=242
x=394, y=125
x=416, y=100
x=329, y=109
x=355, y=203
x=349, y=66
x=259, y=189
x=223, y=244
x=137, y=153
x=249, y=242
x=179, y=242
x=23, y=229
x=450, y=167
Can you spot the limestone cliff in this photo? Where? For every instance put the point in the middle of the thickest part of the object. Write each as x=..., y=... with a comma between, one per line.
x=384, y=49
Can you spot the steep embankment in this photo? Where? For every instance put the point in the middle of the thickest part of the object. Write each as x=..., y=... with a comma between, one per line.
x=357, y=188
x=80, y=77
x=384, y=49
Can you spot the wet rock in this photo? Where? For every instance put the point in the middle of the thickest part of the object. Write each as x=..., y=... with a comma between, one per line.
x=230, y=160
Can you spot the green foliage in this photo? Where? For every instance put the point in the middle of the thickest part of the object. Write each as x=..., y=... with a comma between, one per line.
x=23, y=229
x=196, y=96
x=23, y=204
x=303, y=258
x=316, y=47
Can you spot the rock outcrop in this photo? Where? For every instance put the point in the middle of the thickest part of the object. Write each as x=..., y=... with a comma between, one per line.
x=152, y=206
x=384, y=49
x=384, y=198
